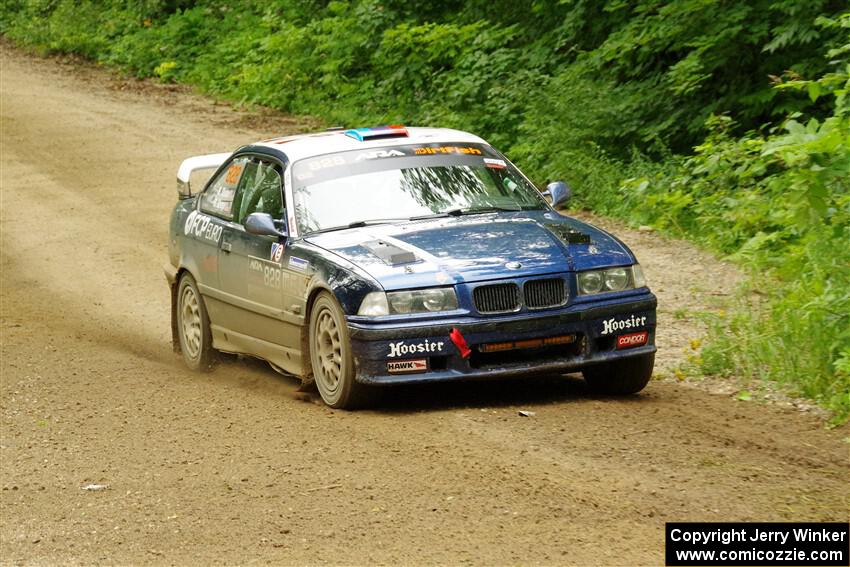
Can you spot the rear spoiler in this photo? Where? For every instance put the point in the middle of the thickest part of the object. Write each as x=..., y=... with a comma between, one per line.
x=193, y=164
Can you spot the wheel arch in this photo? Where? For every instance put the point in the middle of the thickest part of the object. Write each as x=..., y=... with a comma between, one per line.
x=174, y=285
x=307, y=364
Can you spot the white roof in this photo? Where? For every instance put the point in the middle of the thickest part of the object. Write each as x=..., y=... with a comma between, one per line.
x=310, y=145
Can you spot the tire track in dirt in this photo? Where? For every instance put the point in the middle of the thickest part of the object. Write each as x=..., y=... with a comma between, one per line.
x=231, y=467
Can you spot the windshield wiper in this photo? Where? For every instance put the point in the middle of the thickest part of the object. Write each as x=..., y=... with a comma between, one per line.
x=469, y=211
x=449, y=213
x=479, y=210
x=358, y=224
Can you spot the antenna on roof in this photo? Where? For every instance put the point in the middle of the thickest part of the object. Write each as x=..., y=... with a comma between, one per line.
x=335, y=129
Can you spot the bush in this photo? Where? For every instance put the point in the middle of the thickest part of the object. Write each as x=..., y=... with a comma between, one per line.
x=779, y=204
x=600, y=78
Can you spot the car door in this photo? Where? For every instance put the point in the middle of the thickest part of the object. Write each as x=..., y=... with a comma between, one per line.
x=252, y=274
x=203, y=229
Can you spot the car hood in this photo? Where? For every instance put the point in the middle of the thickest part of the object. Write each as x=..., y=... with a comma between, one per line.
x=474, y=248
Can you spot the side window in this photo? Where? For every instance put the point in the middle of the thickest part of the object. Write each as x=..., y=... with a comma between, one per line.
x=261, y=192
x=221, y=195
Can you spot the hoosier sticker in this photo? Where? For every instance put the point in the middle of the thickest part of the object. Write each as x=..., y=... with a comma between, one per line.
x=400, y=348
x=613, y=324
x=407, y=366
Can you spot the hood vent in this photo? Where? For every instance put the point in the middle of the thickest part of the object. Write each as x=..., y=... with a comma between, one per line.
x=390, y=254
x=567, y=234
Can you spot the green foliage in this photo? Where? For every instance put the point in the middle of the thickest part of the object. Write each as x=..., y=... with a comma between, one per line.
x=729, y=118
x=778, y=203
x=610, y=77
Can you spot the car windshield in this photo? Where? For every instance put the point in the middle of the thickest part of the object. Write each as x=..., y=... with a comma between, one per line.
x=406, y=182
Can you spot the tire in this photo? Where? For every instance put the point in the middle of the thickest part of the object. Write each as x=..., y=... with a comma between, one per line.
x=620, y=377
x=193, y=326
x=330, y=355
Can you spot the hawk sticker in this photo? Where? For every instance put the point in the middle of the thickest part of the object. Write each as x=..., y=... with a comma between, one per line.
x=407, y=366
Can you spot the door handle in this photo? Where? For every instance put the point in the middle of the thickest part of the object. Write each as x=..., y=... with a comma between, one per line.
x=226, y=247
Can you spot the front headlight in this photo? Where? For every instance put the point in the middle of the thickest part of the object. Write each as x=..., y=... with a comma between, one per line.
x=611, y=279
x=590, y=282
x=374, y=304
x=617, y=279
x=431, y=300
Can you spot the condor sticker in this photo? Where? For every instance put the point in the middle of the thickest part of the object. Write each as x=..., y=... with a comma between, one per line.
x=402, y=348
x=407, y=366
x=632, y=340
x=202, y=226
x=614, y=324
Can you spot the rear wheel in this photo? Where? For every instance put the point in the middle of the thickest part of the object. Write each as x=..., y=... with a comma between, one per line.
x=193, y=326
x=330, y=355
x=621, y=377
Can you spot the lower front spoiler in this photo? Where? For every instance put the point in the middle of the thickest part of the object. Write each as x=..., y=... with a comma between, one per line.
x=548, y=367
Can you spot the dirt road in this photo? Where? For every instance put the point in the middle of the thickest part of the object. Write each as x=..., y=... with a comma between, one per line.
x=235, y=467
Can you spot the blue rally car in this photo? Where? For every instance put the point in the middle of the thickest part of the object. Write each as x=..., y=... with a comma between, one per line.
x=389, y=255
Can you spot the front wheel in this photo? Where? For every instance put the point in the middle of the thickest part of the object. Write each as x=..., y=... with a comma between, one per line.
x=621, y=377
x=193, y=326
x=330, y=355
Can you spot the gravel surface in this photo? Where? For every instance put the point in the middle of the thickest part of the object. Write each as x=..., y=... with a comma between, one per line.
x=112, y=452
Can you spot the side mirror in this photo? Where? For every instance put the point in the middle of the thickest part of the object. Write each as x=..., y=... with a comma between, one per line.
x=559, y=192
x=262, y=224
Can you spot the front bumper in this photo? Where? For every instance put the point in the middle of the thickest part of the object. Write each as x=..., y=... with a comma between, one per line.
x=395, y=353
